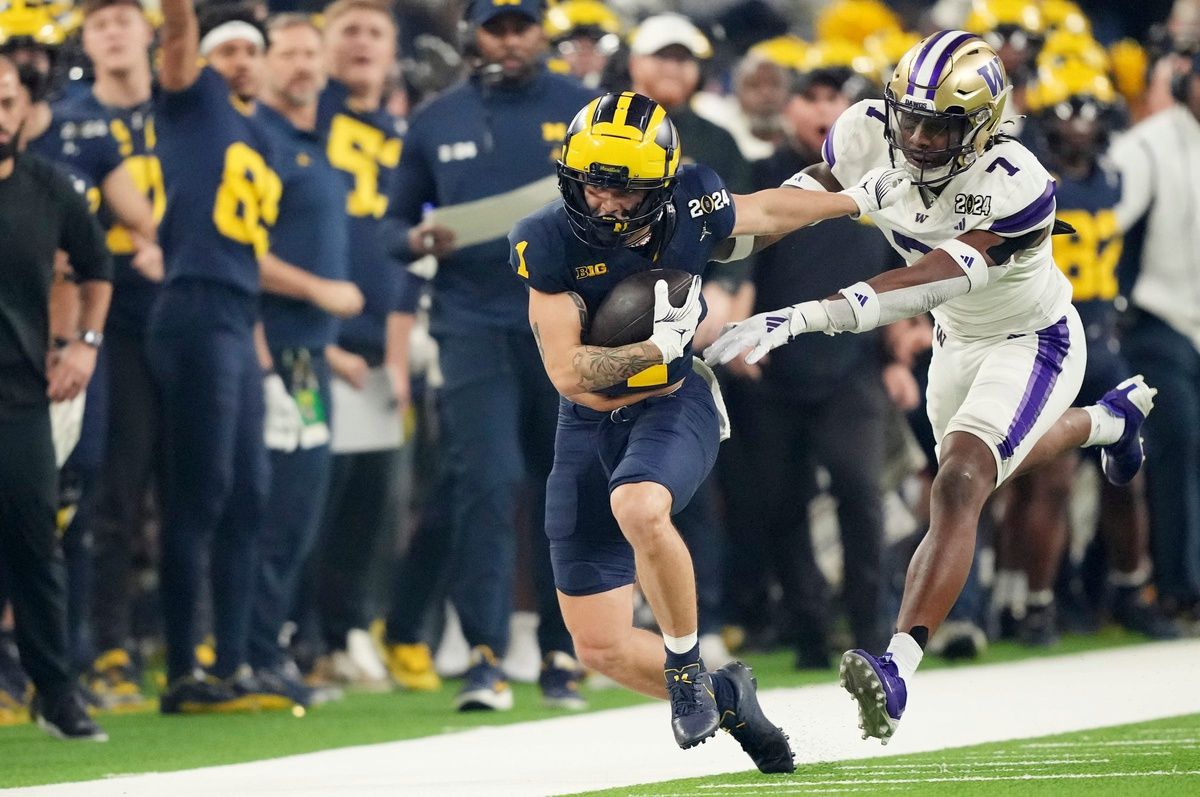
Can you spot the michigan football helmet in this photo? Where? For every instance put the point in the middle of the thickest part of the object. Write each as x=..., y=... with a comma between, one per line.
x=1076, y=108
x=572, y=18
x=30, y=23
x=945, y=103
x=623, y=141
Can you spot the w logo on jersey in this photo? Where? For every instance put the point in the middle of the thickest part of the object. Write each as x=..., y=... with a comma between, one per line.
x=921, y=218
x=993, y=75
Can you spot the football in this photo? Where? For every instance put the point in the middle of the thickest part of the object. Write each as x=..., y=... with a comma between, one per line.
x=627, y=314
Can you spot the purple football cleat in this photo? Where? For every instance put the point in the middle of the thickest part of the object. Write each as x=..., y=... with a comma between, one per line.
x=876, y=684
x=1132, y=400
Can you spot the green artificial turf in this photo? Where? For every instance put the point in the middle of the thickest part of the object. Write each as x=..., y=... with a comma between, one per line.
x=1150, y=758
x=152, y=743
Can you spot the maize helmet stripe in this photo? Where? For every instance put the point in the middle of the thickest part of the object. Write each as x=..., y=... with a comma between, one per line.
x=944, y=59
x=915, y=70
x=625, y=110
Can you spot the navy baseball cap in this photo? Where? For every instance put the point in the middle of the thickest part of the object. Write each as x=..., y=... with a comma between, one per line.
x=481, y=12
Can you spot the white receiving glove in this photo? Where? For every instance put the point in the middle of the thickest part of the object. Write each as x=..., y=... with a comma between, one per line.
x=674, y=326
x=66, y=425
x=766, y=331
x=283, y=424
x=878, y=189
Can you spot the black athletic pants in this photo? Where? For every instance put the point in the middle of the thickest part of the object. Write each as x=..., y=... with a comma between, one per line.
x=30, y=552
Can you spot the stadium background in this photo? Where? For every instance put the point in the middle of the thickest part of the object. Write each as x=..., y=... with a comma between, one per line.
x=1121, y=55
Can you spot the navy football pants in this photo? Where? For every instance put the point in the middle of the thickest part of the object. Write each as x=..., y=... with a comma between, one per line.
x=500, y=411
x=201, y=350
x=299, y=486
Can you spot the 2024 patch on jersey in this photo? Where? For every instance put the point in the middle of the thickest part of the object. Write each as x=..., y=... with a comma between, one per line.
x=1007, y=191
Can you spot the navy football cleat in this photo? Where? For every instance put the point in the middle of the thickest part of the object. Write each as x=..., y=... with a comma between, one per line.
x=766, y=744
x=485, y=686
x=559, y=681
x=876, y=684
x=1132, y=400
x=694, y=715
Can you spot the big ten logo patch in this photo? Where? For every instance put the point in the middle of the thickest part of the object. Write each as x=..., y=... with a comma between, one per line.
x=708, y=203
x=553, y=133
x=594, y=270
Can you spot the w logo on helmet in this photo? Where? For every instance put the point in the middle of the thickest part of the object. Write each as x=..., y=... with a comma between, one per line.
x=993, y=75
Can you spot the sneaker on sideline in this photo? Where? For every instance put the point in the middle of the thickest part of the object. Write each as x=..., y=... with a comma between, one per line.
x=485, y=686
x=411, y=666
x=559, y=681
x=66, y=718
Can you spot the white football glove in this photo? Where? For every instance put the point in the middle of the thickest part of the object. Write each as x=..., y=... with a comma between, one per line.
x=674, y=326
x=283, y=424
x=878, y=189
x=766, y=331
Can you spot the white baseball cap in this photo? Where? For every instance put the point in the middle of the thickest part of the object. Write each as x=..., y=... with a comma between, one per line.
x=664, y=30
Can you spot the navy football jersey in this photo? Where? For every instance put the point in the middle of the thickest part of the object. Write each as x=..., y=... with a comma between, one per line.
x=473, y=142
x=365, y=148
x=310, y=233
x=82, y=149
x=222, y=194
x=546, y=253
x=1089, y=256
x=132, y=132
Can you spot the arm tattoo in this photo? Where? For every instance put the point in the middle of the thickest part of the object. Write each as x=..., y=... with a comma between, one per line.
x=581, y=307
x=598, y=367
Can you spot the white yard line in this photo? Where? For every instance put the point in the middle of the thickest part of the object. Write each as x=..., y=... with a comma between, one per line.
x=625, y=747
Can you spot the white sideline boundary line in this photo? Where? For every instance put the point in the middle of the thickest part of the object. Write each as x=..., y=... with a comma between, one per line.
x=625, y=747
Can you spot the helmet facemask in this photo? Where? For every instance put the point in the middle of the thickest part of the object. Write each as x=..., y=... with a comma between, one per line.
x=908, y=125
x=608, y=231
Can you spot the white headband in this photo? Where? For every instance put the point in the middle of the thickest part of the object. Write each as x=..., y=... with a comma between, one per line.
x=229, y=31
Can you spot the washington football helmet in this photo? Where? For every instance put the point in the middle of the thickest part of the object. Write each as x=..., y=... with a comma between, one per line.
x=945, y=102
x=623, y=141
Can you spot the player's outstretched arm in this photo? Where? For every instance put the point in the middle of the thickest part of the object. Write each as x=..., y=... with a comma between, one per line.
x=953, y=269
x=179, y=44
x=775, y=211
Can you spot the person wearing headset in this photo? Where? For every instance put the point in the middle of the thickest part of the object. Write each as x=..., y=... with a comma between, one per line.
x=499, y=130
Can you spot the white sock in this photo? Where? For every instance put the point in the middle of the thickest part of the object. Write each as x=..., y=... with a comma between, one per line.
x=681, y=644
x=1019, y=595
x=1106, y=427
x=1137, y=578
x=906, y=653
x=1040, y=599
x=1002, y=591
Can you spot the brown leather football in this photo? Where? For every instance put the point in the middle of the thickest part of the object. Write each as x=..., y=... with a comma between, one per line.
x=627, y=313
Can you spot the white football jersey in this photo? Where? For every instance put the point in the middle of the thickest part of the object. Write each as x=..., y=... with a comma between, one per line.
x=1006, y=191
